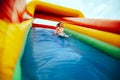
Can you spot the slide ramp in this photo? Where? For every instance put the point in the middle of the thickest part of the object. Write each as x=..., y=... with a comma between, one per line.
x=49, y=57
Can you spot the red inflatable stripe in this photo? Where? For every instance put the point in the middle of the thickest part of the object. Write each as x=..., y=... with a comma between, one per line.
x=12, y=10
x=100, y=24
x=43, y=26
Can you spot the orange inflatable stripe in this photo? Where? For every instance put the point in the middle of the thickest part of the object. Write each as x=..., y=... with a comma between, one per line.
x=52, y=8
x=108, y=37
x=100, y=24
x=48, y=17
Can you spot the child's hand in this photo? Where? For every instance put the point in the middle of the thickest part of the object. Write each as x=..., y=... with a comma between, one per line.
x=54, y=34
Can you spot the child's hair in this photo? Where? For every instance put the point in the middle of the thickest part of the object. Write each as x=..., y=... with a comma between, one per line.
x=58, y=25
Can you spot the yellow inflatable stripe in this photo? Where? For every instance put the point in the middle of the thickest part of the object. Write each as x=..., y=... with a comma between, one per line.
x=11, y=49
x=108, y=37
x=3, y=29
x=52, y=8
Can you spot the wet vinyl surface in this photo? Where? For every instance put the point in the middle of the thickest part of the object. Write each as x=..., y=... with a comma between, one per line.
x=49, y=57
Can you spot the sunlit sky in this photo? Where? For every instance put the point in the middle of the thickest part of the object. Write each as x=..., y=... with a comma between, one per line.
x=105, y=9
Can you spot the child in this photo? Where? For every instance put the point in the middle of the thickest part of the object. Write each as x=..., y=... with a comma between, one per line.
x=60, y=30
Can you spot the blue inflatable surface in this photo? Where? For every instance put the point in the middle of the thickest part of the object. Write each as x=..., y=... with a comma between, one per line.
x=49, y=57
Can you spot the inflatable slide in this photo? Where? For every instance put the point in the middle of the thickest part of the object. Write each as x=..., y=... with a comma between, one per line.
x=29, y=51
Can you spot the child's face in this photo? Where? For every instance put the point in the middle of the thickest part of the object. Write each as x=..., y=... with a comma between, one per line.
x=61, y=25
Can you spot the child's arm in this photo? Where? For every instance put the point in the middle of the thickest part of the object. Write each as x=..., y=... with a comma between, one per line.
x=56, y=32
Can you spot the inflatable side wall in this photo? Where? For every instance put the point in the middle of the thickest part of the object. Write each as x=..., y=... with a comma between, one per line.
x=13, y=33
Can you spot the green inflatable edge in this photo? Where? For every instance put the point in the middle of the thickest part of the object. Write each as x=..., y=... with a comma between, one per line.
x=105, y=47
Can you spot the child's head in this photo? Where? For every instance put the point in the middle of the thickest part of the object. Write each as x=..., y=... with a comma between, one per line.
x=60, y=24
